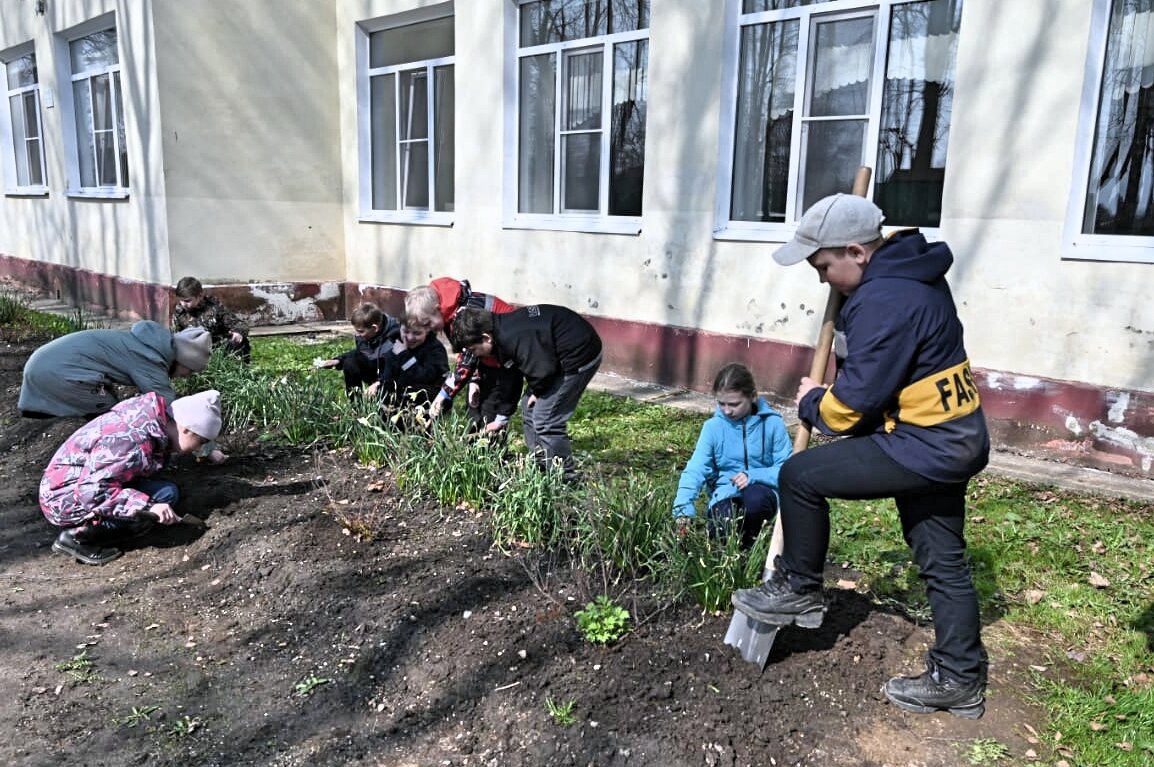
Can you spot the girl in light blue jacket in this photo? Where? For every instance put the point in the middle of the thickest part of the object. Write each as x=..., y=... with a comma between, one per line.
x=737, y=459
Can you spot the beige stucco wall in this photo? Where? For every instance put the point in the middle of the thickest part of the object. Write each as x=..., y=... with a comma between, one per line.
x=251, y=139
x=1018, y=94
x=126, y=237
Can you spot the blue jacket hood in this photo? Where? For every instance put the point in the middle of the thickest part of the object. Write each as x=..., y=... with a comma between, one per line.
x=907, y=255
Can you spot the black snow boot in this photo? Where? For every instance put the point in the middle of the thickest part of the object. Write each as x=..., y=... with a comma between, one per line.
x=70, y=543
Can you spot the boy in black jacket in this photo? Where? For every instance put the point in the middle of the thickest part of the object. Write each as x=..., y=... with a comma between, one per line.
x=412, y=369
x=375, y=333
x=556, y=349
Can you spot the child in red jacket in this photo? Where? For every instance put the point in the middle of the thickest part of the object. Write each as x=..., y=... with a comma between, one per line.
x=493, y=391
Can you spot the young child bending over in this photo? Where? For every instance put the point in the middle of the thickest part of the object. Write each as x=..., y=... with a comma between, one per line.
x=492, y=391
x=737, y=459
x=375, y=333
x=412, y=369
x=197, y=309
x=99, y=485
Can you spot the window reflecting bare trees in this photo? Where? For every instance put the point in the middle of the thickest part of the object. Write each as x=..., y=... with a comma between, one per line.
x=1120, y=196
x=571, y=159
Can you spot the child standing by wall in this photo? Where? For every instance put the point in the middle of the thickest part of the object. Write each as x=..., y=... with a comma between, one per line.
x=558, y=352
x=196, y=309
x=375, y=334
x=100, y=480
x=412, y=369
x=492, y=390
x=737, y=459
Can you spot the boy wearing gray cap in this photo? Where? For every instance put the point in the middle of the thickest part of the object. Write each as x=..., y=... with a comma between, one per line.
x=905, y=401
x=99, y=485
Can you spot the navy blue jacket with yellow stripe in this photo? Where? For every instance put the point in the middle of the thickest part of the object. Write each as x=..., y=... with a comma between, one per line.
x=903, y=375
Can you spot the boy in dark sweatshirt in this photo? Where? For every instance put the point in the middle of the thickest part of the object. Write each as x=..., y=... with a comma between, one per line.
x=558, y=352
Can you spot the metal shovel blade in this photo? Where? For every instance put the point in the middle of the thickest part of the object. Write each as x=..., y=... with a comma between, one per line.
x=752, y=638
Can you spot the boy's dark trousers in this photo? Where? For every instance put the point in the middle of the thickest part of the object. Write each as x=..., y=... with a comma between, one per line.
x=545, y=424
x=358, y=370
x=756, y=505
x=933, y=520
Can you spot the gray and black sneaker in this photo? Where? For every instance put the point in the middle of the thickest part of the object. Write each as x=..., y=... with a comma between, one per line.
x=932, y=692
x=776, y=603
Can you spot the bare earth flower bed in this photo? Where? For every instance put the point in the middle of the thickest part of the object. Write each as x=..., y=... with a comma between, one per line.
x=276, y=637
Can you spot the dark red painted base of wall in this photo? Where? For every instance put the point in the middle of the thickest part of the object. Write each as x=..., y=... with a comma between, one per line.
x=1061, y=420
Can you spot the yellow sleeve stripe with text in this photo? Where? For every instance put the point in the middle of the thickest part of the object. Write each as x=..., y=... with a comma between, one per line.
x=940, y=397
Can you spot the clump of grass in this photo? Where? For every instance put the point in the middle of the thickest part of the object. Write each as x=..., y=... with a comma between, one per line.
x=19, y=321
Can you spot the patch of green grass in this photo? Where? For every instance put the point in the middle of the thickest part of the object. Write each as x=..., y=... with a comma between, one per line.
x=20, y=321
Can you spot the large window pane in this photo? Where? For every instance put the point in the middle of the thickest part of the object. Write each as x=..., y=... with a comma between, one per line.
x=415, y=105
x=85, y=149
x=756, y=6
x=1120, y=194
x=443, y=141
x=415, y=175
x=833, y=153
x=383, y=152
x=843, y=53
x=411, y=43
x=764, y=124
x=21, y=71
x=559, y=21
x=95, y=51
x=627, y=151
x=19, y=132
x=536, y=142
x=917, y=105
x=582, y=172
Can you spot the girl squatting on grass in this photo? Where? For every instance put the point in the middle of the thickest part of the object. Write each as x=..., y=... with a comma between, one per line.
x=737, y=459
x=99, y=485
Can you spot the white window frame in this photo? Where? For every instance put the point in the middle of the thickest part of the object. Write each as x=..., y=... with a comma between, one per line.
x=12, y=185
x=599, y=221
x=68, y=106
x=758, y=231
x=364, y=31
x=1075, y=243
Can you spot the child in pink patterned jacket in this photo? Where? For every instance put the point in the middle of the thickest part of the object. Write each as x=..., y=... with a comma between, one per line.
x=99, y=485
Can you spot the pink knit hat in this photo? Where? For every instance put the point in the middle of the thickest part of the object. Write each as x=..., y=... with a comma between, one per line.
x=199, y=413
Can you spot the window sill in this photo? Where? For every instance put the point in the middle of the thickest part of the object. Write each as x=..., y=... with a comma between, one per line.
x=1117, y=248
x=591, y=224
x=27, y=191
x=411, y=217
x=109, y=193
x=780, y=234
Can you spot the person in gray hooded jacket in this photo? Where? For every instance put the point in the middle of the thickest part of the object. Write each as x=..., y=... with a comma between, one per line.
x=74, y=375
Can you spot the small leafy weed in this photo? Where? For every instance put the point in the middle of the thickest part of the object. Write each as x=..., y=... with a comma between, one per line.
x=185, y=726
x=80, y=668
x=602, y=621
x=562, y=713
x=305, y=687
x=986, y=751
x=139, y=715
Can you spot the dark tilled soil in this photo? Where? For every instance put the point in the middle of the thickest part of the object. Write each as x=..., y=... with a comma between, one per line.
x=276, y=637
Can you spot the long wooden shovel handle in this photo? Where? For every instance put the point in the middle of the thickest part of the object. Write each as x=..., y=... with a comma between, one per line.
x=821, y=351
